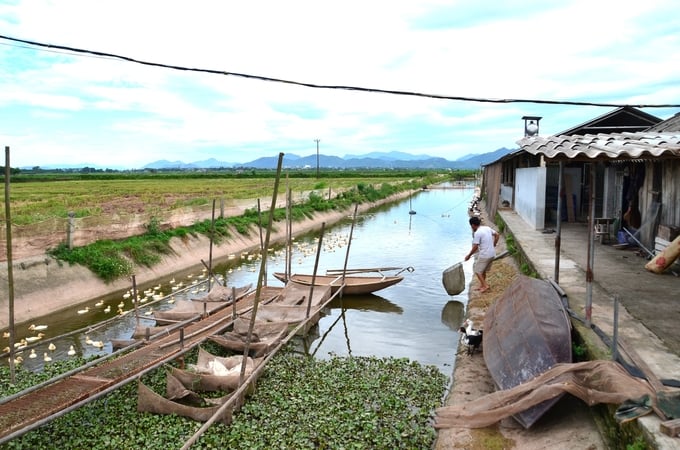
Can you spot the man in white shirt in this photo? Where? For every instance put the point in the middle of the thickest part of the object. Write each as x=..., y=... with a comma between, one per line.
x=484, y=241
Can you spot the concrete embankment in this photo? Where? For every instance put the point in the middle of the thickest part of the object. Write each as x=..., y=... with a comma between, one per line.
x=43, y=285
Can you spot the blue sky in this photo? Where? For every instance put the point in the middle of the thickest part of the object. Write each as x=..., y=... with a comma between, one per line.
x=61, y=108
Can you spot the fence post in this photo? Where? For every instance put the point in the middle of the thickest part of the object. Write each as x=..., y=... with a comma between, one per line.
x=70, y=230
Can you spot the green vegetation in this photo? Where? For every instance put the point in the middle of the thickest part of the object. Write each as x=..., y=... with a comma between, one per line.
x=299, y=402
x=111, y=260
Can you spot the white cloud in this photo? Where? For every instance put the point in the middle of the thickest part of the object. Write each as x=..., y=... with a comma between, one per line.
x=63, y=107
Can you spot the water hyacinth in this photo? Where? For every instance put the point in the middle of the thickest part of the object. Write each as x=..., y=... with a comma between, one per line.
x=300, y=402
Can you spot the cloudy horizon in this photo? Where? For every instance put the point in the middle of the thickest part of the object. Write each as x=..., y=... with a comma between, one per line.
x=65, y=108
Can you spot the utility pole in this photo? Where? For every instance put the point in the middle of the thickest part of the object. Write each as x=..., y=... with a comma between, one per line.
x=317, y=157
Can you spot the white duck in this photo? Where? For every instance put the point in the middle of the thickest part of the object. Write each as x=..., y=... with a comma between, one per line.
x=71, y=351
x=470, y=337
x=37, y=327
x=46, y=357
x=32, y=354
x=218, y=368
x=51, y=347
x=34, y=338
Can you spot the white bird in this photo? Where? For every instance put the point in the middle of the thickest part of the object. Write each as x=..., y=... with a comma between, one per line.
x=107, y=309
x=83, y=311
x=36, y=328
x=218, y=368
x=71, y=351
x=470, y=337
x=52, y=347
x=88, y=341
x=46, y=357
x=469, y=327
x=98, y=344
x=99, y=303
x=32, y=354
x=34, y=338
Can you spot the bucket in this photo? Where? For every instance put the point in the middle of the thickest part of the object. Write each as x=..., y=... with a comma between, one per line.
x=453, y=279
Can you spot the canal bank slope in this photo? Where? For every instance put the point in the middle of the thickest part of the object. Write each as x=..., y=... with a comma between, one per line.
x=43, y=285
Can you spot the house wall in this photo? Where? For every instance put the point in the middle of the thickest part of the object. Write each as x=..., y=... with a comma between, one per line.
x=530, y=195
x=611, y=206
x=490, y=187
x=668, y=212
x=506, y=194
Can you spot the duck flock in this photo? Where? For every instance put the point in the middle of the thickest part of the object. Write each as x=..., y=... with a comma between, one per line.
x=193, y=284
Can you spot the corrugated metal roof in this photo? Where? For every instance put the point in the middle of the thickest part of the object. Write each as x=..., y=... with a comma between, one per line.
x=624, y=119
x=642, y=145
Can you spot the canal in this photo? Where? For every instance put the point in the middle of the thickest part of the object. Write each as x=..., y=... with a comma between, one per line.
x=415, y=319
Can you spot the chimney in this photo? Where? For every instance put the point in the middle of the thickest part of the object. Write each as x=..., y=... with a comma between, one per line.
x=531, y=125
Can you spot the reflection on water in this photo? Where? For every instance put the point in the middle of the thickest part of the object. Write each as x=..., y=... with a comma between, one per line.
x=453, y=314
x=370, y=302
x=415, y=319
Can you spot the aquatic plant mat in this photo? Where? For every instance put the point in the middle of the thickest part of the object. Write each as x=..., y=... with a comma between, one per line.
x=300, y=402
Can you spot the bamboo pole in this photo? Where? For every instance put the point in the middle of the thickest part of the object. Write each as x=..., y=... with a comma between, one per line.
x=10, y=270
x=558, y=225
x=212, y=240
x=591, y=249
x=263, y=263
x=349, y=243
x=316, y=266
x=242, y=386
x=259, y=227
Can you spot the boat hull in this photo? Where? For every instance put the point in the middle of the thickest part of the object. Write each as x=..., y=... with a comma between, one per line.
x=354, y=285
x=526, y=332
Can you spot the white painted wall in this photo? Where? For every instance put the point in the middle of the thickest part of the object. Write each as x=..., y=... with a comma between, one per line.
x=506, y=195
x=530, y=195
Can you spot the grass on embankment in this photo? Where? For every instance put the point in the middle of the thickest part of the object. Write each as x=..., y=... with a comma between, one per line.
x=111, y=259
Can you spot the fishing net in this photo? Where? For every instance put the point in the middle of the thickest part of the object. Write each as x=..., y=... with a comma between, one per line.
x=592, y=381
x=453, y=279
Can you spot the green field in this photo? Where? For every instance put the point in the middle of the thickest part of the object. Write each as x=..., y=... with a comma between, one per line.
x=35, y=198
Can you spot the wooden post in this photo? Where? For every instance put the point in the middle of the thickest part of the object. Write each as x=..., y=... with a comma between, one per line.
x=10, y=271
x=70, y=229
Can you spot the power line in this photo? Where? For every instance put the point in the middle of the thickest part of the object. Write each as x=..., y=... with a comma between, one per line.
x=338, y=87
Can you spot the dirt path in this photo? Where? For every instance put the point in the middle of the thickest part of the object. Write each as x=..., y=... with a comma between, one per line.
x=568, y=425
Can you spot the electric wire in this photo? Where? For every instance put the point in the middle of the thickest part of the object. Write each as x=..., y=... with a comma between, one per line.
x=327, y=86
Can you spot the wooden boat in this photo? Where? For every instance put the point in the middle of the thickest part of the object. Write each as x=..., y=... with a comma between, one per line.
x=186, y=404
x=189, y=309
x=354, y=284
x=203, y=377
x=219, y=293
x=265, y=337
x=526, y=332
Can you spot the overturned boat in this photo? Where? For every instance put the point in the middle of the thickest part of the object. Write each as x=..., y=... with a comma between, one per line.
x=526, y=332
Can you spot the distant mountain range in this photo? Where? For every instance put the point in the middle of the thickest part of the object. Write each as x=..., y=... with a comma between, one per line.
x=374, y=160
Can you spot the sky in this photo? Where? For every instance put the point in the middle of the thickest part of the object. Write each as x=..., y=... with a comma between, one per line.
x=63, y=108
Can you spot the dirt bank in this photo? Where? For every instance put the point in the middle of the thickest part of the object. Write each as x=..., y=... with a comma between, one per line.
x=569, y=424
x=43, y=285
